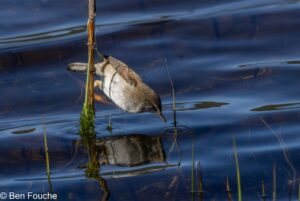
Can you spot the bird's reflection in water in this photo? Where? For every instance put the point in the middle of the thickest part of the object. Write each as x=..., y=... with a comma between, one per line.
x=130, y=150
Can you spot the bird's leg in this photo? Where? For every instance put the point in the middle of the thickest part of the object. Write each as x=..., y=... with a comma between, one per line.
x=98, y=83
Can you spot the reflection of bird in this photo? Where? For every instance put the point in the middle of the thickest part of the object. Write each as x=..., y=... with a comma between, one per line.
x=131, y=150
x=123, y=86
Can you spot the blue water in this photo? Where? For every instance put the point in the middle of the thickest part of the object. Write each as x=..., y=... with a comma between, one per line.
x=235, y=67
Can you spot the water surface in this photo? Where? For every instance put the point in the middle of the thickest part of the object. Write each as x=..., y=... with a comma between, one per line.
x=235, y=67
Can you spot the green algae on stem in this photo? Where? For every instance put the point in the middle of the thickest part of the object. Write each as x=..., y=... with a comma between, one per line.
x=87, y=120
x=93, y=167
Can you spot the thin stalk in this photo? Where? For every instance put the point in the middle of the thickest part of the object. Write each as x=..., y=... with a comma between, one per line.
x=228, y=191
x=238, y=177
x=200, y=181
x=173, y=93
x=88, y=112
x=299, y=191
x=290, y=189
x=274, y=183
x=263, y=191
x=193, y=167
x=109, y=126
x=89, y=92
x=47, y=160
x=283, y=147
x=175, y=145
x=175, y=136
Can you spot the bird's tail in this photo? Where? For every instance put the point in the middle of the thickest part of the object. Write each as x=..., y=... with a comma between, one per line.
x=78, y=67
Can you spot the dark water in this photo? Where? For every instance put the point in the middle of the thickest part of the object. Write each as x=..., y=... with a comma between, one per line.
x=235, y=67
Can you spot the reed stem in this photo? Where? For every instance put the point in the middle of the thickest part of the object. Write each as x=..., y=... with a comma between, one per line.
x=47, y=160
x=274, y=183
x=299, y=191
x=228, y=191
x=88, y=112
x=238, y=177
x=193, y=169
x=263, y=190
x=109, y=126
x=200, y=181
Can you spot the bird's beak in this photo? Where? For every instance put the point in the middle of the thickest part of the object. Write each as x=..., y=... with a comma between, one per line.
x=162, y=116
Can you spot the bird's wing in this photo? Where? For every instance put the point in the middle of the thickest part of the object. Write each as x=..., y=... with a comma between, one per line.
x=125, y=72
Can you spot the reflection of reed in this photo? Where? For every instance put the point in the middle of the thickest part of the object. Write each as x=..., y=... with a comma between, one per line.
x=132, y=150
x=175, y=144
x=177, y=180
x=283, y=147
x=173, y=93
x=109, y=126
x=93, y=167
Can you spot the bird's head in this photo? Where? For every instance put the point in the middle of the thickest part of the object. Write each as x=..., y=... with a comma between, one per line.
x=154, y=106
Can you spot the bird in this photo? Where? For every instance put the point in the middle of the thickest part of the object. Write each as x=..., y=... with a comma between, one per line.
x=123, y=86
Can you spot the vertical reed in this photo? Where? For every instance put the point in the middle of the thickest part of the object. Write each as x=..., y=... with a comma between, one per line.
x=263, y=191
x=200, y=181
x=88, y=112
x=47, y=160
x=238, y=177
x=228, y=191
x=290, y=189
x=109, y=126
x=274, y=183
x=299, y=191
x=193, y=171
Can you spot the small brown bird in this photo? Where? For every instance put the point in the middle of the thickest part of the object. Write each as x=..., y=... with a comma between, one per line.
x=123, y=86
